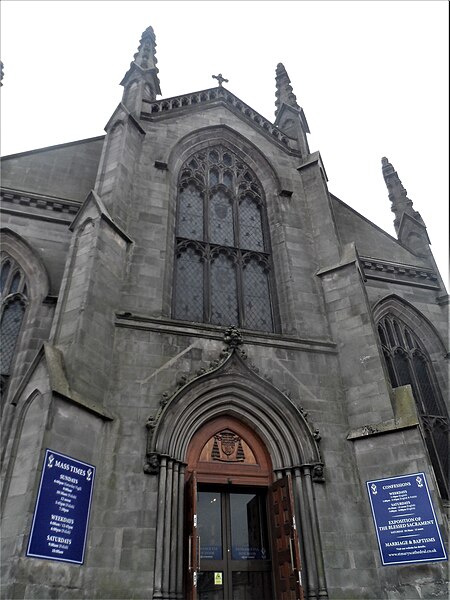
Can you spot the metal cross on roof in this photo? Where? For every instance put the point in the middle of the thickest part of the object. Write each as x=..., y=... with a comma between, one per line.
x=220, y=79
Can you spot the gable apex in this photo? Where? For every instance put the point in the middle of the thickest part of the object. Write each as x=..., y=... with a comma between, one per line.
x=213, y=97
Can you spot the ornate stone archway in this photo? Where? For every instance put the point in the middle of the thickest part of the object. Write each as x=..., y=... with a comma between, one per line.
x=231, y=388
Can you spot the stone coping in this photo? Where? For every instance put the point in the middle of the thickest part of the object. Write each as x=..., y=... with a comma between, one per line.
x=212, y=332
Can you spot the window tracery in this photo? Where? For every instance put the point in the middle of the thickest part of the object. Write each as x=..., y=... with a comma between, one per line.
x=14, y=299
x=223, y=266
x=408, y=363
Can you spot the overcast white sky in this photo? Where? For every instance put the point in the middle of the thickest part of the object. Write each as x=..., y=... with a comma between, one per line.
x=371, y=76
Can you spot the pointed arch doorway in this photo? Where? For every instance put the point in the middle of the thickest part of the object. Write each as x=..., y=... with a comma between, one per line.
x=241, y=537
x=287, y=465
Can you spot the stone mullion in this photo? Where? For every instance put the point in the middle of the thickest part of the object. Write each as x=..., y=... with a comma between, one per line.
x=239, y=264
x=207, y=264
x=240, y=289
x=207, y=285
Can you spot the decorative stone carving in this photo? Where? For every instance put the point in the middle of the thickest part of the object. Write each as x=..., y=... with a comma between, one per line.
x=227, y=447
x=233, y=337
x=182, y=380
x=369, y=429
x=318, y=474
x=153, y=464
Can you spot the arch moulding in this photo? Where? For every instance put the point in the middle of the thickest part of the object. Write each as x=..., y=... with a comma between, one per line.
x=232, y=391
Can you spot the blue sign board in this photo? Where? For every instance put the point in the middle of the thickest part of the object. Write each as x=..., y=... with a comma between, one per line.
x=61, y=514
x=405, y=520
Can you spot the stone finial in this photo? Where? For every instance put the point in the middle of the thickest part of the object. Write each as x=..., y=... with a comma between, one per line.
x=409, y=226
x=289, y=116
x=141, y=80
x=220, y=79
x=233, y=337
x=145, y=56
x=401, y=204
x=284, y=92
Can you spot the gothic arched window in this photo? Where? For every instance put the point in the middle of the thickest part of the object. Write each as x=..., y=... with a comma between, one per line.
x=222, y=269
x=13, y=289
x=408, y=363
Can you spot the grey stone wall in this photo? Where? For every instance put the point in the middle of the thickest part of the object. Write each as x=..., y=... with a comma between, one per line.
x=64, y=171
x=122, y=352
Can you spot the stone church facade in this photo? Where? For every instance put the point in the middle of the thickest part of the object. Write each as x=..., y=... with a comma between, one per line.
x=189, y=309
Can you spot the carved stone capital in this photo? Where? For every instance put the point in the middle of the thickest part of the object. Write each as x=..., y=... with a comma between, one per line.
x=153, y=464
x=318, y=474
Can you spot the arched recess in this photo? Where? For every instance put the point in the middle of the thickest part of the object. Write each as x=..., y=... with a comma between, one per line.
x=413, y=352
x=413, y=318
x=33, y=289
x=38, y=417
x=29, y=260
x=235, y=392
x=226, y=449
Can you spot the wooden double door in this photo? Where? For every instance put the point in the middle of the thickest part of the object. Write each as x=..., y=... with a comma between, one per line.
x=241, y=536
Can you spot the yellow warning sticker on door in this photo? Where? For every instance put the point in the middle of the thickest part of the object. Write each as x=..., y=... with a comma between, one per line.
x=218, y=578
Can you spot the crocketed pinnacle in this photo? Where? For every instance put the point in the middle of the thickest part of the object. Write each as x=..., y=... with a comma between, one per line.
x=145, y=56
x=143, y=68
x=401, y=204
x=284, y=92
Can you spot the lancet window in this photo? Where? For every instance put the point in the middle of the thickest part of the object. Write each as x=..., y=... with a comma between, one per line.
x=408, y=363
x=13, y=289
x=223, y=265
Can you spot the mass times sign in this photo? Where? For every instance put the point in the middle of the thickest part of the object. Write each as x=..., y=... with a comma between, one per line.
x=405, y=520
x=61, y=514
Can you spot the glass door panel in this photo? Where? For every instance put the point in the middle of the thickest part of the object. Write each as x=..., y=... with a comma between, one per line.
x=208, y=586
x=209, y=507
x=252, y=585
x=233, y=545
x=248, y=527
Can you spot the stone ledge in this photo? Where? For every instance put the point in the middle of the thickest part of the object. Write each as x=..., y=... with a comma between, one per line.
x=35, y=216
x=399, y=273
x=54, y=361
x=405, y=416
x=212, y=332
x=60, y=385
x=22, y=198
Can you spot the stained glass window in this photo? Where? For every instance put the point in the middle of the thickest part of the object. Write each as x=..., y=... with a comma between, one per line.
x=224, y=305
x=221, y=212
x=408, y=363
x=221, y=229
x=190, y=213
x=13, y=294
x=250, y=225
x=256, y=291
x=189, y=278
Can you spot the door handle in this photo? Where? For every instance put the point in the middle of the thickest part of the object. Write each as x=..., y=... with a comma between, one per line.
x=190, y=554
x=291, y=550
x=198, y=553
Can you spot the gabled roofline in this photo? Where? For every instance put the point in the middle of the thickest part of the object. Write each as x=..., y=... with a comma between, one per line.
x=154, y=109
x=56, y=146
x=370, y=222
